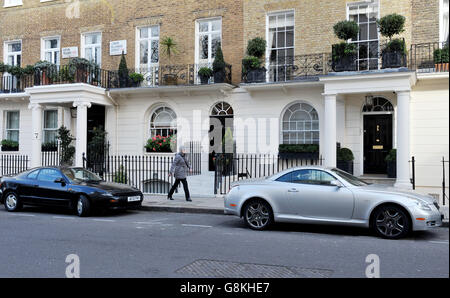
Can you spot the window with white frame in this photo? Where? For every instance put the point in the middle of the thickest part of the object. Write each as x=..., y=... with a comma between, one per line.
x=50, y=126
x=280, y=30
x=13, y=53
x=148, y=47
x=10, y=3
x=209, y=38
x=51, y=50
x=12, y=125
x=300, y=125
x=365, y=15
x=444, y=34
x=92, y=47
x=163, y=122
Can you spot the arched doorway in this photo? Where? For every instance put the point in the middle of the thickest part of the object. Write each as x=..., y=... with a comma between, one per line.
x=378, y=134
x=221, y=131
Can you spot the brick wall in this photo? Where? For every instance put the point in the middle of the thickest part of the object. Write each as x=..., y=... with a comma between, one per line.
x=425, y=16
x=117, y=20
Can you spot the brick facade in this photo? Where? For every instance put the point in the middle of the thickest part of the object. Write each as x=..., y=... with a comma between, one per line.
x=425, y=15
x=117, y=20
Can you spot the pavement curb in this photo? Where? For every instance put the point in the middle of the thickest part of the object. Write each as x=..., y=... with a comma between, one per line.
x=176, y=209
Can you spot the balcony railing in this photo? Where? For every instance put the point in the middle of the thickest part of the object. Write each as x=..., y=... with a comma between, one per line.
x=429, y=57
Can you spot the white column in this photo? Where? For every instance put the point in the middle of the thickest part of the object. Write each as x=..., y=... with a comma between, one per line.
x=403, y=150
x=329, y=131
x=36, y=142
x=81, y=138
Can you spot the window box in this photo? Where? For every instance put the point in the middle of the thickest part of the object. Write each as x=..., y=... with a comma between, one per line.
x=256, y=75
x=393, y=60
x=302, y=152
x=6, y=148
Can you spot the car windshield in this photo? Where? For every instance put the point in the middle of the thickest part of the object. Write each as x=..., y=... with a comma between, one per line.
x=349, y=178
x=80, y=174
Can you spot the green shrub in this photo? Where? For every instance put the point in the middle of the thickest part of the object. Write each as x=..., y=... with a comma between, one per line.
x=44, y=65
x=67, y=150
x=4, y=67
x=346, y=30
x=121, y=176
x=49, y=147
x=136, y=77
x=159, y=144
x=441, y=55
x=16, y=71
x=343, y=49
x=391, y=25
x=300, y=148
x=205, y=72
x=219, y=62
x=345, y=154
x=256, y=47
x=392, y=156
x=396, y=46
x=250, y=63
x=10, y=143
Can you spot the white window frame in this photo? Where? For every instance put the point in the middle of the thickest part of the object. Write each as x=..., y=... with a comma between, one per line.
x=6, y=54
x=153, y=130
x=92, y=46
x=442, y=38
x=46, y=129
x=269, y=47
x=149, y=39
x=5, y=136
x=297, y=131
x=370, y=2
x=210, y=60
x=55, y=51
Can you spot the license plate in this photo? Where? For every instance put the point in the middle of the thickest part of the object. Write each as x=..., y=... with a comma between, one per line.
x=134, y=199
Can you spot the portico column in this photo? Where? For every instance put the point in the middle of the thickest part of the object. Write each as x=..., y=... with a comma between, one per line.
x=36, y=142
x=81, y=139
x=329, y=150
x=403, y=150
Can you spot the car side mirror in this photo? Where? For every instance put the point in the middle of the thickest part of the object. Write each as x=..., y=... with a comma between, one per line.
x=336, y=183
x=60, y=181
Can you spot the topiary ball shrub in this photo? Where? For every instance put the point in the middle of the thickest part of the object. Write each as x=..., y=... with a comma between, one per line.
x=346, y=30
x=345, y=154
x=391, y=25
x=256, y=47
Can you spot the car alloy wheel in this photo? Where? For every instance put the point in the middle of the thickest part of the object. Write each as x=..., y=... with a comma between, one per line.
x=11, y=201
x=257, y=215
x=391, y=222
x=80, y=207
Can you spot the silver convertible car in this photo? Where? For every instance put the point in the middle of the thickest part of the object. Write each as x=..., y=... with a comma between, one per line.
x=317, y=195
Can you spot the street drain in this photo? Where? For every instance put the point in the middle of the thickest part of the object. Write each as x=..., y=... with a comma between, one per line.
x=221, y=269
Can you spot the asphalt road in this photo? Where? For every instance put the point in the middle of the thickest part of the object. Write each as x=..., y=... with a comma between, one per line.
x=36, y=242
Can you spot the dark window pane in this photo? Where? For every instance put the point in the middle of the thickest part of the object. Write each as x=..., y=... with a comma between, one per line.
x=363, y=32
x=281, y=40
x=373, y=31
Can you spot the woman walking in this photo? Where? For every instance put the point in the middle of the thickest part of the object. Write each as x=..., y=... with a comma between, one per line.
x=179, y=170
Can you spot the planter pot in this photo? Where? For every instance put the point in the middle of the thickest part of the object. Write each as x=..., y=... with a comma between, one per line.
x=134, y=84
x=148, y=150
x=256, y=76
x=204, y=80
x=171, y=79
x=441, y=67
x=393, y=60
x=81, y=76
x=392, y=169
x=219, y=77
x=346, y=166
x=10, y=149
x=346, y=63
x=299, y=155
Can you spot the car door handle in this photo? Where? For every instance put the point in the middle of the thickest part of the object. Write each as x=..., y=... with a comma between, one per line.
x=293, y=190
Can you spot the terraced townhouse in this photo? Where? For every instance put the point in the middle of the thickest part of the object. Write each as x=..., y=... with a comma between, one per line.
x=370, y=104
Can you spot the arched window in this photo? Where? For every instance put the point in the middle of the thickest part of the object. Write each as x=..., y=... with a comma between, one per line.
x=162, y=122
x=377, y=104
x=300, y=125
x=222, y=109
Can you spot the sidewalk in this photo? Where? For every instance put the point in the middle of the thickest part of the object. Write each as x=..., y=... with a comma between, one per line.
x=210, y=205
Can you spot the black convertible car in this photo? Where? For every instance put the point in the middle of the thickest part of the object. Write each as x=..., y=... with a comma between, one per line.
x=70, y=187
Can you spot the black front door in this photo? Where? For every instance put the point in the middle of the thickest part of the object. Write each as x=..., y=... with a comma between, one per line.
x=377, y=142
x=219, y=141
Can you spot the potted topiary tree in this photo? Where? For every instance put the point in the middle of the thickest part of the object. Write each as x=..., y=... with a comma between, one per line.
x=394, y=53
x=345, y=160
x=391, y=162
x=251, y=65
x=82, y=69
x=219, y=66
x=441, y=57
x=344, y=53
x=123, y=72
x=205, y=73
x=169, y=48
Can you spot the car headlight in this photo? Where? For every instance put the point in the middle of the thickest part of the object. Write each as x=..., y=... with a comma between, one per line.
x=422, y=205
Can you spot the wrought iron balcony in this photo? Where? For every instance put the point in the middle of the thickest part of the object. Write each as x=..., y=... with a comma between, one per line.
x=429, y=57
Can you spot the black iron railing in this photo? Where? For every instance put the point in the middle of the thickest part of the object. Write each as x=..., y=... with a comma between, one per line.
x=429, y=57
x=13, y=164
x=230, y=168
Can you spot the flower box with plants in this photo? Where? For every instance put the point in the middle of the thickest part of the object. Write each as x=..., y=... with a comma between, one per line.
x=300, y=151
x=441, y=57
x=205, y=73
x=394, y=53
x=136, y=79
x=160, y=144
x=219, y=66
x=345, y=160
x=344, y=53
x=252, y=68
x=391, y=163
x=10, y=146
